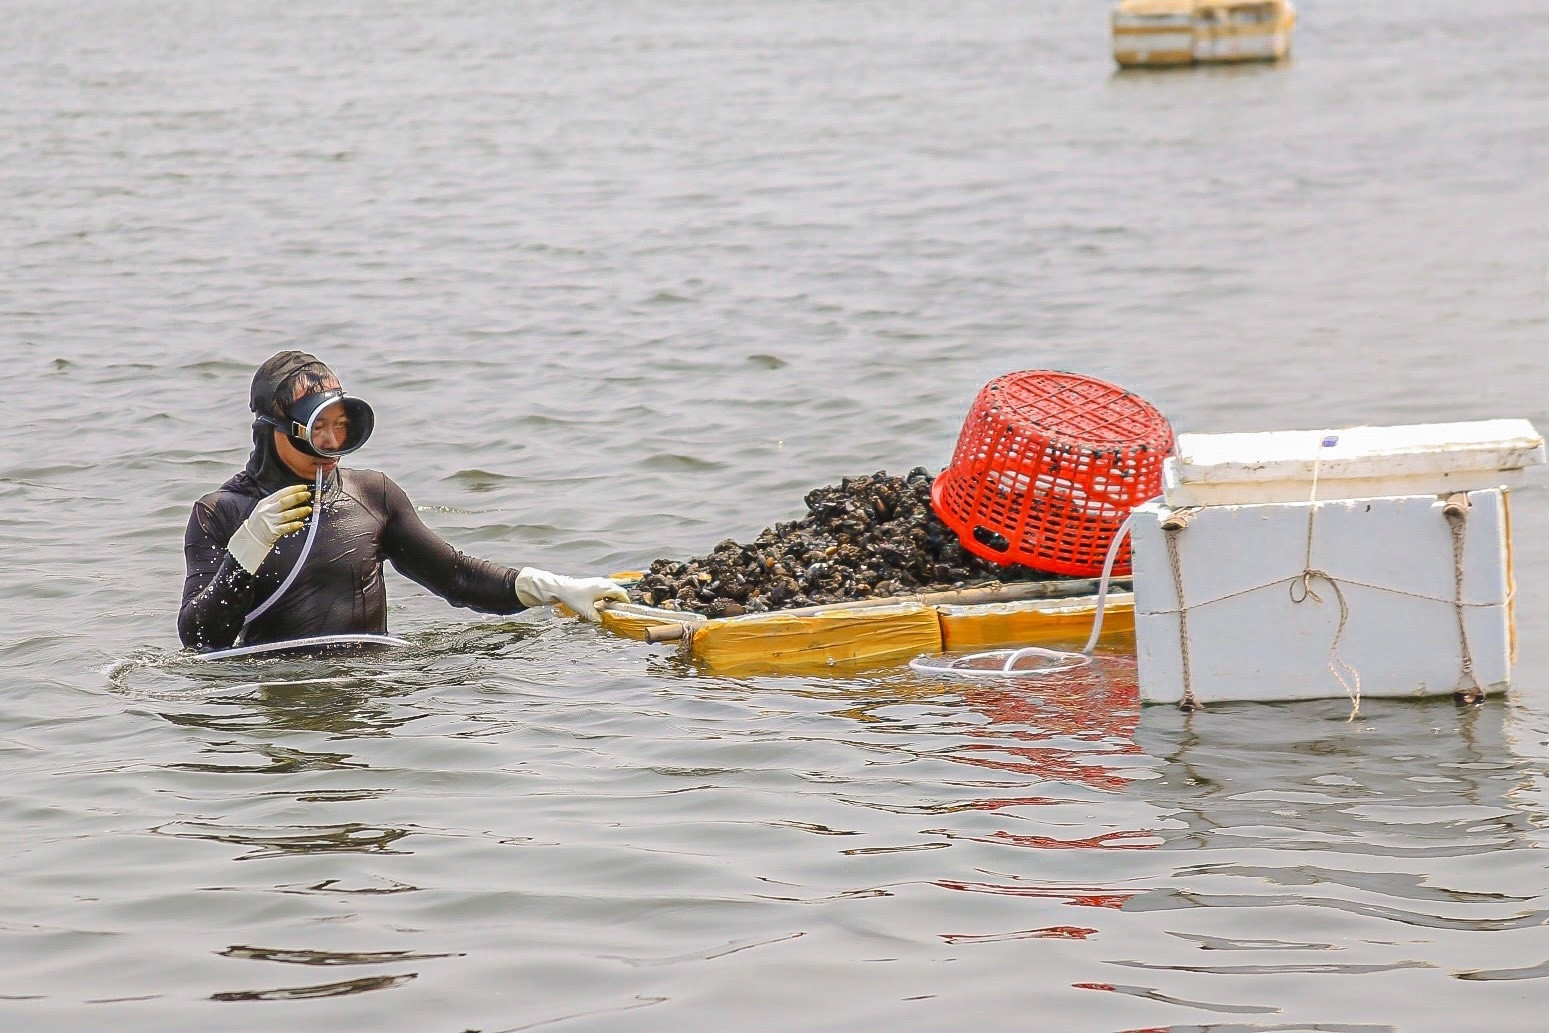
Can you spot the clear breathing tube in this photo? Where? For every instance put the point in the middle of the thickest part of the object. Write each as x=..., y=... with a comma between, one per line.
x=306, y=550
x=1057, y=660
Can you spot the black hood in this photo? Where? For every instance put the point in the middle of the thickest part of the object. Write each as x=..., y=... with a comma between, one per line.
x=274, y=385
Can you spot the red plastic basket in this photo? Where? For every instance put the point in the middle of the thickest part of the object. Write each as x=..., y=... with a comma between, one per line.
x=1047, y=467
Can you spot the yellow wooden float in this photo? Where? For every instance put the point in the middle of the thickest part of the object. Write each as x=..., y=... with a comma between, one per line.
x=1163, y=33
x=879, y=632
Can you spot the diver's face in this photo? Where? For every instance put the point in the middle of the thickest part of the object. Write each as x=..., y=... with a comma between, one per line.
x=301, y=464
x=329, y=430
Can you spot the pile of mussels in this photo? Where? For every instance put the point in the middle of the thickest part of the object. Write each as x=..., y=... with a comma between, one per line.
x=862, y=538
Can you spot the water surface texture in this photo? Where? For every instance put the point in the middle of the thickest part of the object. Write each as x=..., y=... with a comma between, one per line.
x=625, y=279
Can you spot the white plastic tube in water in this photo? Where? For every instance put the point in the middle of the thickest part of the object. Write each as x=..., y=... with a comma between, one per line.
x=1102, y=585
x=351, y=640
x=1059, y=660
x=306, y=550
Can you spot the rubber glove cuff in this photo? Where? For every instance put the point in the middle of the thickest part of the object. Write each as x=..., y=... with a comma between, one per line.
x=248, y=549
x=275, y=516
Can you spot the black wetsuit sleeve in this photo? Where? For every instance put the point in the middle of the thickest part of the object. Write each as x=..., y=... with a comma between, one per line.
x=420, y=555
x=217, y=592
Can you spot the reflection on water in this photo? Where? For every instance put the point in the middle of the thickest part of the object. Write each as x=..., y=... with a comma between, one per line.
x=326, y=958
x=1409, y=779
x=1274, y=1027
x=340, y=694
x=1076, y=896
x=280, y=760
x=1117, y=839
x=1301, y=812
x=1243, y=843
x=301, y=993
x=342, y=706
x=337, y=888
x=1539, y=971
x=1060, y=727
x=279, y=840
x=1058, y=932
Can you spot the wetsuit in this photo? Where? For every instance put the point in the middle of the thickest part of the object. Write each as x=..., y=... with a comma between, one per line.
x=366, y=519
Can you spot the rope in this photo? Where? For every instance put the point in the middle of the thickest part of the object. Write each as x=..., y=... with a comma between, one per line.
x=1174, y=525
x=1309, y=574
x=1300, y=588
x=1171, y=528
x=1329, y=441
x=1456, y=512
x=1346, y=580
x=1305, y=579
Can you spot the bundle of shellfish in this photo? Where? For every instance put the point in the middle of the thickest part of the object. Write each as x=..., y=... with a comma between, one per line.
x=866, y=537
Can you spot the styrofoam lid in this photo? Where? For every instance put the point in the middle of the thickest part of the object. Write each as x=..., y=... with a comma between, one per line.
x=1358, y=452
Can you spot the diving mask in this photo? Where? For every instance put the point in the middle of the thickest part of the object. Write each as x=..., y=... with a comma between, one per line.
x=327, y=424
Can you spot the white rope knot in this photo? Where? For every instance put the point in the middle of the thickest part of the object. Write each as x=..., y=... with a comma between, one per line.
x=1305, y=580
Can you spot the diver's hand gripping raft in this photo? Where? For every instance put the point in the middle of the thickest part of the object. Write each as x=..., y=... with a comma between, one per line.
x=275, y=516
x=583, y=595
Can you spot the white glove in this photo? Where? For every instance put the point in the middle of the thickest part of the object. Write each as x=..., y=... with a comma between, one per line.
x=282, y=513
x=581, y=595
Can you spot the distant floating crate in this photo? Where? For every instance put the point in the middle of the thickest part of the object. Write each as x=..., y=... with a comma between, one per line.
x=874, y=633
x=1169, y=33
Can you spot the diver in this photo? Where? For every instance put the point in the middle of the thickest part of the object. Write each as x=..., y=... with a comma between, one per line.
x=243, y=585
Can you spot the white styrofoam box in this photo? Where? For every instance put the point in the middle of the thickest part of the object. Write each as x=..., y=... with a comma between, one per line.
x=1393, y=560
x=1360, y=462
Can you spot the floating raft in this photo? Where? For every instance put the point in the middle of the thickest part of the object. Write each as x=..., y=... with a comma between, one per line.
x=879, y=632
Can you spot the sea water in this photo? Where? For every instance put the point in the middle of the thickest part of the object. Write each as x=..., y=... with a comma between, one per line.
x=622, y=280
